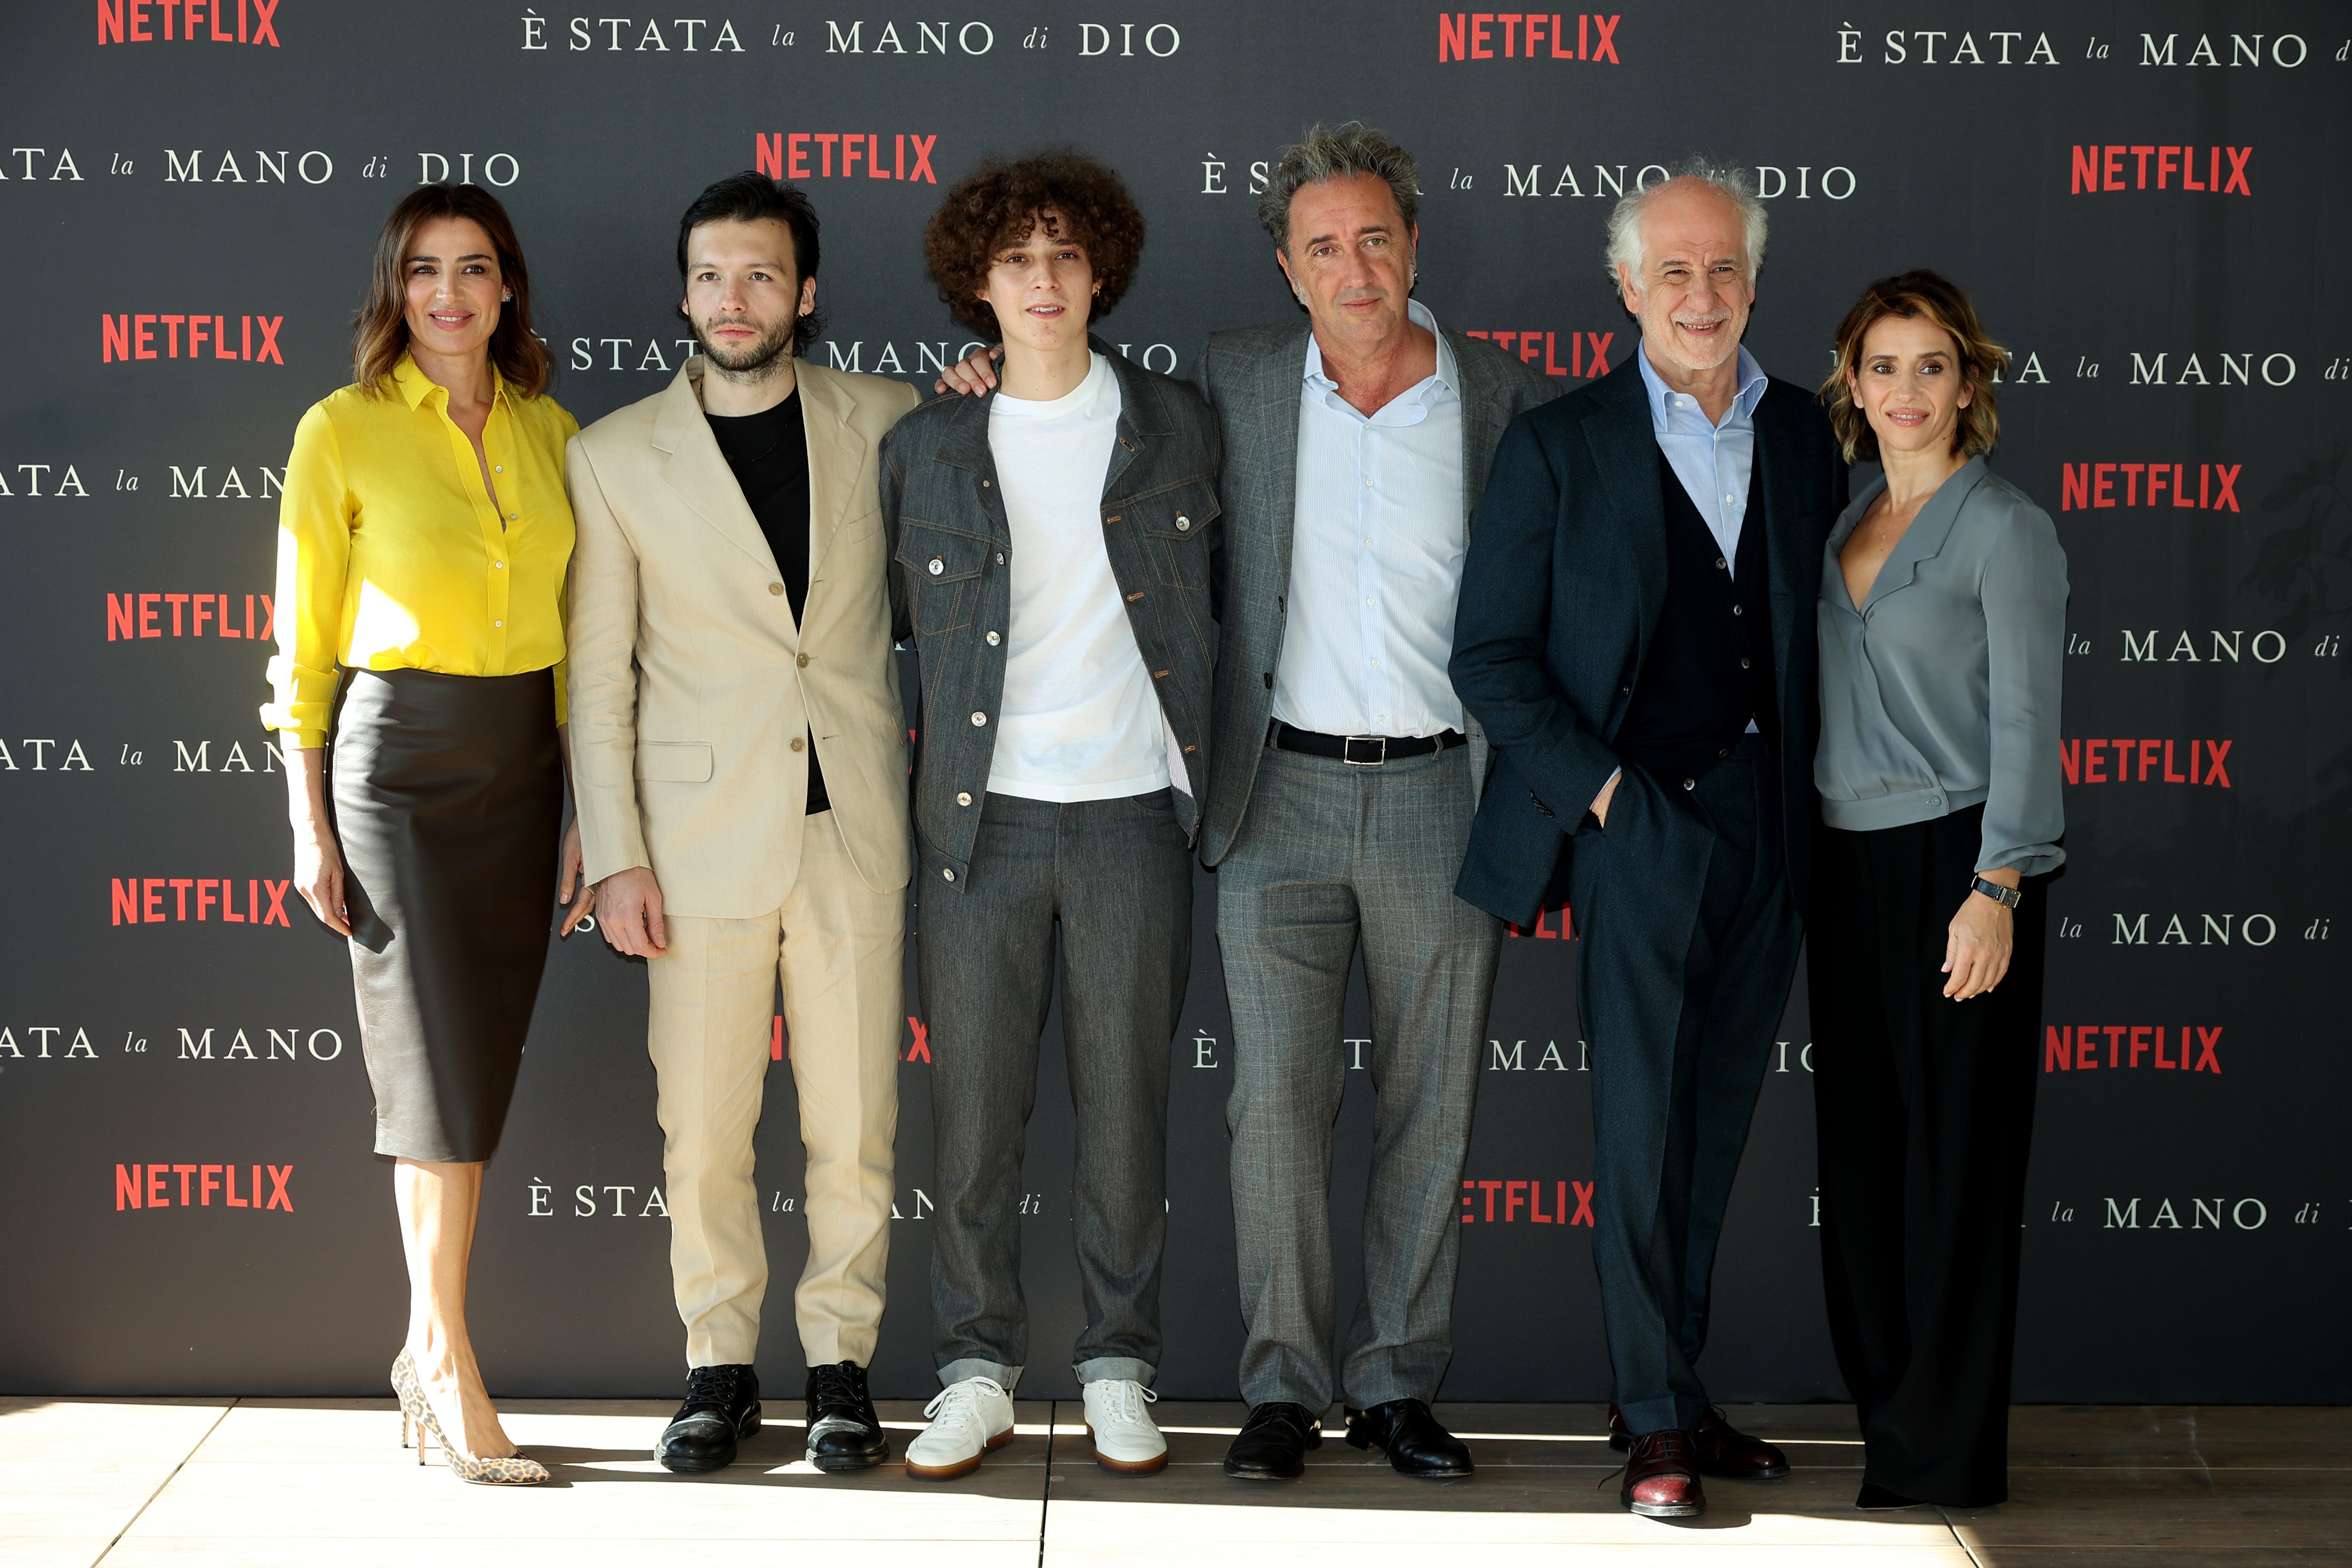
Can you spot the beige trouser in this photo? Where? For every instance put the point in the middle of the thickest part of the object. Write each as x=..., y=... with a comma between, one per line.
x=840, y=948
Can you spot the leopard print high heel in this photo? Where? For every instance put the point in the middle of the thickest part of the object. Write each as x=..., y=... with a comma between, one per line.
x=416, y=1415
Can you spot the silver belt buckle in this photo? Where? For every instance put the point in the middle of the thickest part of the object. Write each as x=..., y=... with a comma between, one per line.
x=1377, y=761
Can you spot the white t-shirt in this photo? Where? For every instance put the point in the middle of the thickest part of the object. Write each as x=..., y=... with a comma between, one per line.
x=1079, y=719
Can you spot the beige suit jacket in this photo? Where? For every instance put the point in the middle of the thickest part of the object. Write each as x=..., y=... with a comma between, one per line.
x=693, y=691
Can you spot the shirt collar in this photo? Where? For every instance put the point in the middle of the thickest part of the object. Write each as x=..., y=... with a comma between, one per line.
x=1752, y=382
x=1447, y=377
x=416, y=386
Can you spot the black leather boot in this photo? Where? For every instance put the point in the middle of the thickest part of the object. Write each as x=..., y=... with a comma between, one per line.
x=844, y=1433
x=722, y=1406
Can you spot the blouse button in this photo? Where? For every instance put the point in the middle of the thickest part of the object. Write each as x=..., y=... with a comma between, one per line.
x=498, y=468
x=498, y=623
x=937, y=566
x=776, y=588
x=514, y=517
x=499, y=564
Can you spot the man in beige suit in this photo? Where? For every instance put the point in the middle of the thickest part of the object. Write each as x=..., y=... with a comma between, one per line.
x=741, y=771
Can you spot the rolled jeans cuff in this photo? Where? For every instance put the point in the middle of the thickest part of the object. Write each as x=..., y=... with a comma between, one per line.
x=1115, y=1369
x=955, y=1372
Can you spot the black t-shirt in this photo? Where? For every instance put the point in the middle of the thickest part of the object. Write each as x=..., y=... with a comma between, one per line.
x=769, y=453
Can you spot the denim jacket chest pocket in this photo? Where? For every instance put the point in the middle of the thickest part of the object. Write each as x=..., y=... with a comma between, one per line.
x=1175, y=524
x=942, y=568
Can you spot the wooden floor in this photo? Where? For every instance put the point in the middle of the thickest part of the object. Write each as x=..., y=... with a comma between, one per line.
x=259, y=1483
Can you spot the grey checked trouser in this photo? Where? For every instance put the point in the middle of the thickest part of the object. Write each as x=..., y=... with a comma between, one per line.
x=1116, y=878
x=1331, y=855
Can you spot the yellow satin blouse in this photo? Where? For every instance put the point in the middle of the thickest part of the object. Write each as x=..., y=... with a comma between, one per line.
x=391, y=555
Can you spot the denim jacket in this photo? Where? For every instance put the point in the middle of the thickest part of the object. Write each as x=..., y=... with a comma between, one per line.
x=951, y=589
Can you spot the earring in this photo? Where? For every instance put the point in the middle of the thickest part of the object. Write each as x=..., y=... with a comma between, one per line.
x=506, y=296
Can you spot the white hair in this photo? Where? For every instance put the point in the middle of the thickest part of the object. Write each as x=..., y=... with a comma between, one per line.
x=1737, y=187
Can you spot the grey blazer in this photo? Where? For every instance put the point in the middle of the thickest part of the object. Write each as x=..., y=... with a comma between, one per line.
x=1941, y=688
x=1254, y=377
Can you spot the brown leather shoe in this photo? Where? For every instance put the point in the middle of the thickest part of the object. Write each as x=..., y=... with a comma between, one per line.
x=1662, y=1478
x=1719, y=1448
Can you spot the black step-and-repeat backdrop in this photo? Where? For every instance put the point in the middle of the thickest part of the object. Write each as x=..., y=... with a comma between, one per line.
x=2148, y=202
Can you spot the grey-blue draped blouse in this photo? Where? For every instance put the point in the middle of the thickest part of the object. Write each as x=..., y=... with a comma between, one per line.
x=1941, y=690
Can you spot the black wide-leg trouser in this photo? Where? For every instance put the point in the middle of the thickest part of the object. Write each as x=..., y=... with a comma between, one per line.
x=1925, y=1112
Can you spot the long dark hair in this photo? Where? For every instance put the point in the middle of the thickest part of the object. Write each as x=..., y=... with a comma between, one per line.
x=380, y=331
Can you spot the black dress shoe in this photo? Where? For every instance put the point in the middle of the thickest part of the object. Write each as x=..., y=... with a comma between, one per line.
x=722, y=1406
x=844, y=1433
x=1409, y=1435
x=1273, y=1443
x=1875, y=1499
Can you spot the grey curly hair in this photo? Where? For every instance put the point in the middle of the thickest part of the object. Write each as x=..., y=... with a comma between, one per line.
x=1331, y=153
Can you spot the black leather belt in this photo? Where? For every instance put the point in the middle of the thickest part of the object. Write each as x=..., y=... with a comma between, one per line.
x=1362, y=751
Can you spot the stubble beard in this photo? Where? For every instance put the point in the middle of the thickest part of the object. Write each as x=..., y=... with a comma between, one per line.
x=757, y=362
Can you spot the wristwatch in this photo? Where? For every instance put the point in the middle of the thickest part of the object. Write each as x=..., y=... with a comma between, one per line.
x=2009, y=897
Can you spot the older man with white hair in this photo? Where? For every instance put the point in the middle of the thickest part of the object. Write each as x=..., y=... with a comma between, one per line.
x=1636, y=638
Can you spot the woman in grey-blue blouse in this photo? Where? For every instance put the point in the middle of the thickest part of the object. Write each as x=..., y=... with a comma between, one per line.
x=1942, y=625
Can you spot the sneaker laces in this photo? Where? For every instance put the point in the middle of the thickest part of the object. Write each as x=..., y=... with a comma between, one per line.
x=958, y=1401
x=1124, y=1399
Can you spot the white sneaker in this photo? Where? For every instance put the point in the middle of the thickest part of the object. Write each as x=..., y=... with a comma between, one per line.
x=1125, y=1439
x=968, y=1419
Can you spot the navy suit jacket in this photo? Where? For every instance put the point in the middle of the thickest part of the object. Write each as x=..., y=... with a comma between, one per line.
x=1560, y=597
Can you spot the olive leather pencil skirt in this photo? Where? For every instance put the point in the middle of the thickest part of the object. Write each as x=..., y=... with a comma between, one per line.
x=448, y=797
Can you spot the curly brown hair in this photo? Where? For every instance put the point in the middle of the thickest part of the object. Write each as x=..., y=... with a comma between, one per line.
x=1916, y=295
x=1071, y=195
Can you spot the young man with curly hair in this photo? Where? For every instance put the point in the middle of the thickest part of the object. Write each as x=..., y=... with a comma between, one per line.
x=1054, y=546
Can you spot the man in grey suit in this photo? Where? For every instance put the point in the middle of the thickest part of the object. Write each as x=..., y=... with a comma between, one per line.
x=1344, y=777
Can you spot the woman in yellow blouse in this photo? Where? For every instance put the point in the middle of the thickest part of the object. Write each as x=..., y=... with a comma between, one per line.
x=422, y=547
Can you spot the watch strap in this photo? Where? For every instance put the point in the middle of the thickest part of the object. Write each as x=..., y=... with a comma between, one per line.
x=2009, y=897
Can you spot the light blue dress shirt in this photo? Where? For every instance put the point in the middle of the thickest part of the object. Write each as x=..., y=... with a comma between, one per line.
x=1712, y=460
x=1377, y=547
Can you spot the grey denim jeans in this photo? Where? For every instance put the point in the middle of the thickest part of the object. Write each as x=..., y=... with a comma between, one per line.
x=1331, y=856
x=1116, y=878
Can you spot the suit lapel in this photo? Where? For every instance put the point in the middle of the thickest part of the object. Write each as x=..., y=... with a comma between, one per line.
x=697, y=471
x=1275, y=415
x=1624, y=446
x=1482, y=429
x=837, y=457
x=1776, y=447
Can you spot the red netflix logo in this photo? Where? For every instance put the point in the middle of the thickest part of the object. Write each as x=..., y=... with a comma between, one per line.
x=784, y=155
x=2097, y=169
x=2085, y=762
x=1531, y=343
x=150, y=1187
x=140, y=900
x=135, y=21
x=1471, y=36
x=129, y=617
x=1564, y=933
x=2091, y=487
x=1528, y=1196
x=131, y=337
x=2075, y=1047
